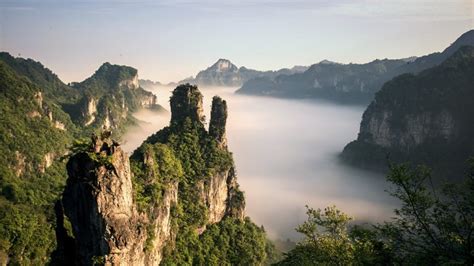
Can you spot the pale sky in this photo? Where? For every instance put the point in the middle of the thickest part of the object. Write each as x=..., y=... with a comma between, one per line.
x=170, y=40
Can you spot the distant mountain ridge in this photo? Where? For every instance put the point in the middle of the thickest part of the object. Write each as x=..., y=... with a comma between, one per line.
x=347, y=83
x=225, y=73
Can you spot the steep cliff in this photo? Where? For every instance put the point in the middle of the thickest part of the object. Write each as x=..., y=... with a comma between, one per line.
x=41, y=116
x=110, y=96
x=207, y=164
x=158, y=207
x=98, y=201
x=424, y=118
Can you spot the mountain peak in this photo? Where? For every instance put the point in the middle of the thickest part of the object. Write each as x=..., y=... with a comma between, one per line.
x=223, y=65
x=327, y=62
x=110, y=69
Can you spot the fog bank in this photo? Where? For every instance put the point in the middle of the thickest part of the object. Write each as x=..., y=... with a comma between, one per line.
x=285, y=153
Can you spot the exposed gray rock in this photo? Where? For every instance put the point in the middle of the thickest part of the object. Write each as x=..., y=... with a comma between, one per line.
x=218, y=121
x=98, y=200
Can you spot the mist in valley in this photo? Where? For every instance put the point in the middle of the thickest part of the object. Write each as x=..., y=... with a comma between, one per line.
x=285, y=153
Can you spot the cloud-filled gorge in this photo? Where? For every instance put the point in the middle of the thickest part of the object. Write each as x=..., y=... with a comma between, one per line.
x=286, y=157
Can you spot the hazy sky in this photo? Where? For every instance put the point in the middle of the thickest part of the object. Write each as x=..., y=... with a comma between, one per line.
x=170, y=40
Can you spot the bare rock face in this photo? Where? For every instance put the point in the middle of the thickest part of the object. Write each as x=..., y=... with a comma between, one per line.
x=421, y=119
x=220, y=194
x=218, y=121
x=186, y=102
x=98, y=201
x=418, y=129
x=131, y=83
x=148, y=101
x=89, y=110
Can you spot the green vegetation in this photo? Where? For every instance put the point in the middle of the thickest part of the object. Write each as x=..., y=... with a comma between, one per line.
x=229, y=242
x=28, y=188
x=432, y=227
x=186, y=153
x=39, y=121
x=154, y=167
x=422, y=119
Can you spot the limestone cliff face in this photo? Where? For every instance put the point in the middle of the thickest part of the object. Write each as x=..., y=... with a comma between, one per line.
x=417, y=129
x=131, y=83
x=89, y=110
x=218, y=121
x=186, y=102
x=219, y=192
x=104, y=200
x=98, y=201
x=420, y=118
x=218, y=189
x=111, y=95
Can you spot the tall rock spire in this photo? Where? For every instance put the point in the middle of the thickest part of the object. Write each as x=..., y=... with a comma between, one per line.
x=218, y=121
x=186, y=102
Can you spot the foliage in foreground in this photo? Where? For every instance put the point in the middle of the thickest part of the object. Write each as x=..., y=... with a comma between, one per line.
x=431, y=227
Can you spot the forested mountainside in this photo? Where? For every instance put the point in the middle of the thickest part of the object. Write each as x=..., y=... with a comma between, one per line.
x=109, y=97
x=423, y=118
x=177, y=200
x=347, y=83
x=224, y=73
x=41, y=116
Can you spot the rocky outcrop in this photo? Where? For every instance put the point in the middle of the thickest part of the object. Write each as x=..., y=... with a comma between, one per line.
x=217, y=190
x=131, y=83
x=98, y=201
x=418, y=129
x=186, y=102
x=420, y=118
x=89, y=110
x=111, y=95
x=148, y=101
x=219, y=193
x=218, y=121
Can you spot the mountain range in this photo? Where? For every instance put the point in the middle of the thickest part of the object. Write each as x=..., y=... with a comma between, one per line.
x=225, y=74
x=347, y=83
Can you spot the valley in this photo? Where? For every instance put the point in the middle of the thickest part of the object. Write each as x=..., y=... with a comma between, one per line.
x=286, y=154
